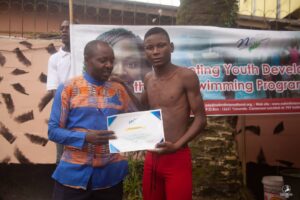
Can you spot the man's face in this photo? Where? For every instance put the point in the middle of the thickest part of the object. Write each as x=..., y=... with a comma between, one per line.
x=65, y=32
x=158, y=49
x=128, y=62
x=99, y=65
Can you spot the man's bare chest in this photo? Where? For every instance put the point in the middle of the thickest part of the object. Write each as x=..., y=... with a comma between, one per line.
x=164, y=93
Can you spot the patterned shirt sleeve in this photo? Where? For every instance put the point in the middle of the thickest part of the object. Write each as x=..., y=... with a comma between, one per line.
x=57, y=131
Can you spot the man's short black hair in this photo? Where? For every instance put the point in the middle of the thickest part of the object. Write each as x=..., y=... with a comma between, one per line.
x=157, y=30
x=91, y=47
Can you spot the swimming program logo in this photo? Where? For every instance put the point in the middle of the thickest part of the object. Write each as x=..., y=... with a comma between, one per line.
x=286, y=191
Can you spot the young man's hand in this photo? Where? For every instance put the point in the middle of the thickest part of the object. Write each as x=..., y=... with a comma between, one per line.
x=165, y=147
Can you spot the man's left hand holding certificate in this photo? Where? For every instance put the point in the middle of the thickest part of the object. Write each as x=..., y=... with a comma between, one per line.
x=136, y=131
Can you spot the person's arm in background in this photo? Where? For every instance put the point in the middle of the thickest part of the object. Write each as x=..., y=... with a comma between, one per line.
x=52, y=83
x=46, y=99
x=52, y=74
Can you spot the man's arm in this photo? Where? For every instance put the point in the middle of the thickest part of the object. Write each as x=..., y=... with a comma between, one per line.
x=52, y=83
x=57, y=122
x=195, y=101
x=52, y=76
x=56, y=126
x=46, y=99
x=140, y=105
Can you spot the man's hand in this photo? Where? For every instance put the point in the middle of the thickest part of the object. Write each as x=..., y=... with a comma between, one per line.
x=117, y=79
x=129, y=91
x=165, y=147
x=99, y=137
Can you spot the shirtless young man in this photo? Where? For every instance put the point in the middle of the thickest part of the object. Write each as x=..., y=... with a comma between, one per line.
x=175, y=90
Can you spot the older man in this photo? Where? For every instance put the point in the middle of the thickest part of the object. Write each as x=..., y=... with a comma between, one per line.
x=78, y=121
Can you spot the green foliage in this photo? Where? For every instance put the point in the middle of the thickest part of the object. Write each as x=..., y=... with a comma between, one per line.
x=133, y=182
x=202, y=12
x=232, y=9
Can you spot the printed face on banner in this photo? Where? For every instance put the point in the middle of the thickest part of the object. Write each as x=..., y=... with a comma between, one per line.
x=128, y=61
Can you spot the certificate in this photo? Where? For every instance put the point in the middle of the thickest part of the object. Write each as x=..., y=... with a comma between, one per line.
x=136, y=131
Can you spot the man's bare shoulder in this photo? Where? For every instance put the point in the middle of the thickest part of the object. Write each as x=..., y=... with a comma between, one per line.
x=186, y=73
x=148, y=75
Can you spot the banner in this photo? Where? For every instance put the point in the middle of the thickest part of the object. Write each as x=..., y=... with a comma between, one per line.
x=240, y=71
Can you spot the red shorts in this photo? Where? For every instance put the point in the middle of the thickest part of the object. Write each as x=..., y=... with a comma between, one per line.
x=168, y=176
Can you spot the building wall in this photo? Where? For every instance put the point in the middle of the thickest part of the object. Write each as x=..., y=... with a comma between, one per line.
x=268, y=8
x=33, y=18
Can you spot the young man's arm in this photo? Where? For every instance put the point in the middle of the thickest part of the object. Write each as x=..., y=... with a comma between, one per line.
x=191, y=85
x=197, y=107
x=52, y=83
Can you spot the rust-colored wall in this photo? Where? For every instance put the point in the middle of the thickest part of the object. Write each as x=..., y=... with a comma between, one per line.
x=271, y=137
x=22, y=149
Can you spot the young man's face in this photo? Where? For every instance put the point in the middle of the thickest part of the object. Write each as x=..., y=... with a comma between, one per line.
x=158, y=49
x=99, y=65
x=65, y=32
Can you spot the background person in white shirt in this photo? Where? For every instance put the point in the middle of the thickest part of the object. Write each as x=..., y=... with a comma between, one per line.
x=59, y=69
x=59, y=65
